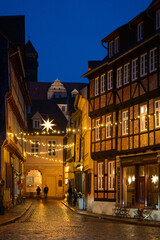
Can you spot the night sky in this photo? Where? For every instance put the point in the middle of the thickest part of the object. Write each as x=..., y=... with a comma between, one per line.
x=68, y=33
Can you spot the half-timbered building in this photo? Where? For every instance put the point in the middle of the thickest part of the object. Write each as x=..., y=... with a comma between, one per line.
x=125, y=111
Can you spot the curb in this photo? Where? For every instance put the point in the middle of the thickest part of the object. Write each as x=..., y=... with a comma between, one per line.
x=114, y=219
x=12, y=220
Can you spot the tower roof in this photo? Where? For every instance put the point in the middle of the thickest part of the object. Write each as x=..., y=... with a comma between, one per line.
x=29, y=48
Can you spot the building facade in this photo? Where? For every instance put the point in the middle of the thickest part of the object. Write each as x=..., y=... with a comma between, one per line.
x=124, y=107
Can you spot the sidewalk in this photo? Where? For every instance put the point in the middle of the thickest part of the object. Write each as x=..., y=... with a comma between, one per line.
x=13, y=214
x=113, y=218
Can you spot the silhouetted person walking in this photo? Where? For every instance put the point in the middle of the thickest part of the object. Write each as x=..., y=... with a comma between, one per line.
x=45, y=191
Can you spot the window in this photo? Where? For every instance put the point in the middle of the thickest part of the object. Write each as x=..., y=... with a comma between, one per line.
x=97, y=126
x=158, y=19
x=116, y=45
x=143, y=65
x=126, y=73
x=157, y=113
x=63, y=108
x=110, y=49
x=140, y=31
x=111, y=175
x=134, y=69
x=125, y=123
x=35, y=147
x=100, y=176
x=103, y=83
x=119, y=77
x=143, y=118
x=96, y=86
x=110, y=80
x=153, y=60
x=108, y=126
x=36, y=124
x=51, y=148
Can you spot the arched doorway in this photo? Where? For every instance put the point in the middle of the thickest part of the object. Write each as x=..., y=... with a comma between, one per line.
x=33, y=179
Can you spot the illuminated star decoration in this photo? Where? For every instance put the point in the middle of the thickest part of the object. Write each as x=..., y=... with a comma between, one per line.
x=47, y=125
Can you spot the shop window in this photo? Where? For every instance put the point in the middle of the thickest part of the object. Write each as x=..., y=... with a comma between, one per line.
x=152, y=188
x=111, y=175
x=100, y=176
x=129, y=186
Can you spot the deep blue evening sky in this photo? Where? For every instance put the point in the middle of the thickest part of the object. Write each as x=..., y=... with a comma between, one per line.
x=68, y=33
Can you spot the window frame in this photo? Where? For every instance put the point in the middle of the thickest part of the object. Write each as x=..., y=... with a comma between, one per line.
x=96, y=86
x=154, y=50
x=34, y=147
x=127, y=75
x=135, y=69
x=100, y=176
x=103, y=85
x=37, y=124
x=158, y=19
x=125, y=123
x=111, y=176
x=158, y=110
x=51, y=147
x=108, y=126
x=97, y=129
x=140, y=31
x=143, y=69
x=119, y=77
x=143, y=118
x=109, y=80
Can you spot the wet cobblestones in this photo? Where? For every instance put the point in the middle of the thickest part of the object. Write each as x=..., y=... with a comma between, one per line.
x=52, y=220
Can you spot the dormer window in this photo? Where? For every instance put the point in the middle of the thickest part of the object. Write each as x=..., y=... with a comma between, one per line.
x=110, y=49
x=158, y=19
x=140, y=31
x=36, y=124
x=116, y=45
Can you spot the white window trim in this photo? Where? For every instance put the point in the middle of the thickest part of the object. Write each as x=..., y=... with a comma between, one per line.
x=103, y=85
x=116, y=45
x=96, y=86
x=134, y=69
x=143, y=117
x=34, y=147
x=108, y=126
x=97, y=129
x=34, y=124
x=157, y=110
x=100, y=176
x=125, y=123
x=158, y=19
x=110, y=176
x=119, y=77
x=140, y=31
x=52, y=147
x=154, y=62
x=126, y=77
x=143, y=73
x=110, y=49
x=109, y=80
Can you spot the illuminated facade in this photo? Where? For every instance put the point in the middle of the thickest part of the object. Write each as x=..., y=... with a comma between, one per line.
x=125, y=110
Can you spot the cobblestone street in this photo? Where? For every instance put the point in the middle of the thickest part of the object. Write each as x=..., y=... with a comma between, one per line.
x=52, y=220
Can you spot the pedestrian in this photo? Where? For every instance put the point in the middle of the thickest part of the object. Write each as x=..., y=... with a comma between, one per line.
x=70, y=194
x=38, y=192
x=75, y=197
x=45, y=191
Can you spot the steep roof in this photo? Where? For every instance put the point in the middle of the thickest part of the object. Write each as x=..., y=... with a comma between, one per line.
x=30, y=49
x=47, y=109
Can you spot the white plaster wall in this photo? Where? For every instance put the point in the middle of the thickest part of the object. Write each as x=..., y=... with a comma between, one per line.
x=103, y=207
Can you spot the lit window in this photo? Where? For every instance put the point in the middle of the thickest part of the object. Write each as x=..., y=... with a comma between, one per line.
x=157, y=113
x=97, y=129
x=116, y=45
x=158, y=19
x=143, y=118
x=108, y=126
x=110, y=80
x=35, y=147
x=134, y=69
x=153, y=60
x=51, y=148
x=119, y=77
x=125, y=123
x=96, y=86
x=140, y=31
x=103, y=83
x=126, y=73
x=110, y=49
x=100, y=176
x=111, y=175
x=143, y=65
